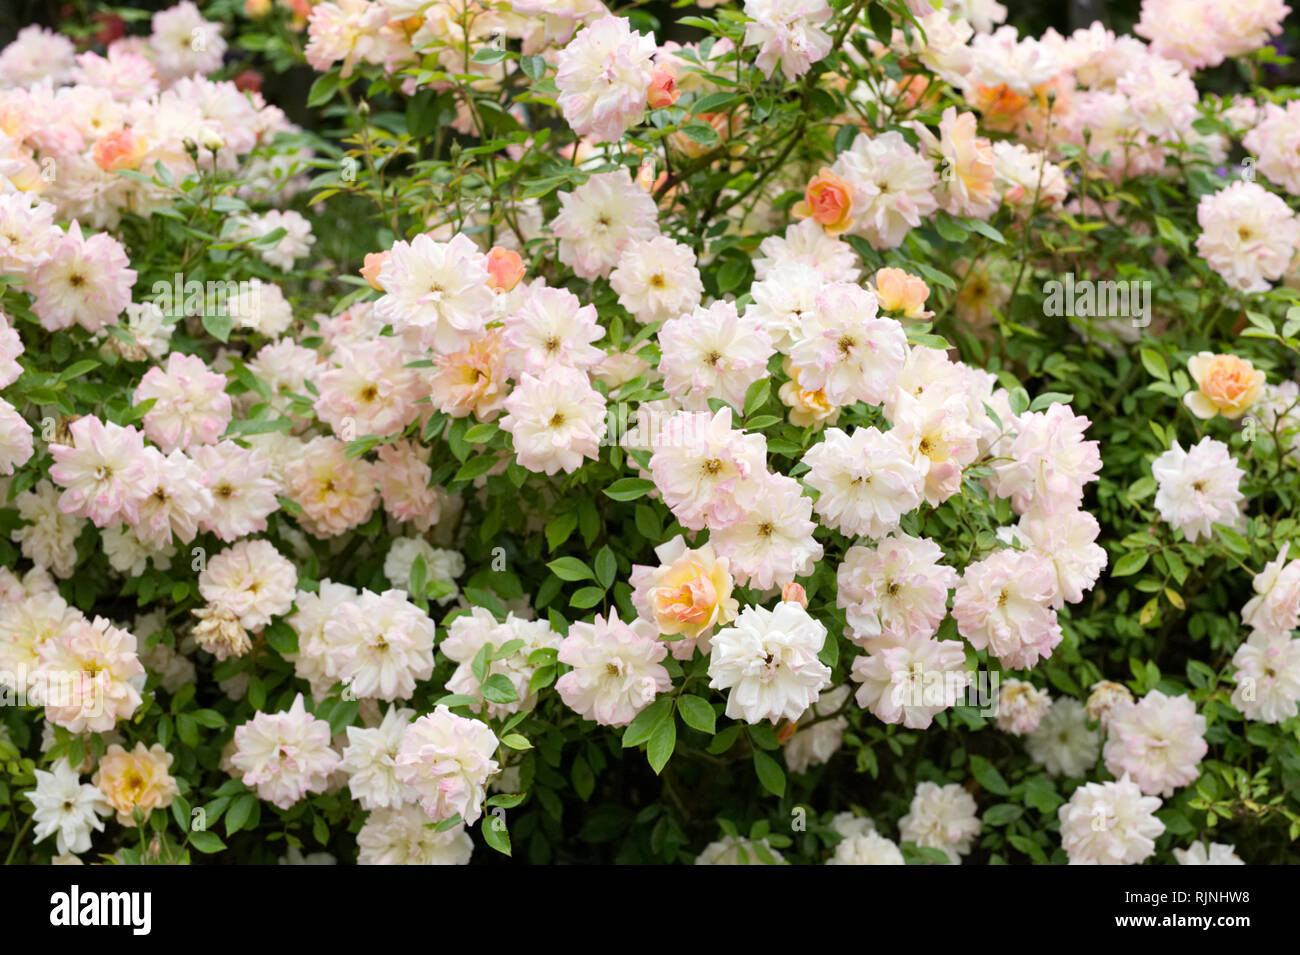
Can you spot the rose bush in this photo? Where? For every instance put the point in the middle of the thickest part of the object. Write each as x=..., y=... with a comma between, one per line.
x=849, y=432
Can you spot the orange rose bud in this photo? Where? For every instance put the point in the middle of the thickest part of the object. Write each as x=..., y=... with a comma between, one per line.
x=785, y=731
x=119, y=150
x=370, y=269
x=506, y=268
x=911, y=89
x=902, y=292
x=829, y=200
x=301, y=11
x=662, y=90
x=793, y=593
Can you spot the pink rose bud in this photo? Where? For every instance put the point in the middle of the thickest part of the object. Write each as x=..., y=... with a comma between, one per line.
x=506, y=268
x=662, y=90
x=795, y=594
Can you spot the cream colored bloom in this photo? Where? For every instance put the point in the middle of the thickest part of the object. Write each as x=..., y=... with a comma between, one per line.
x=1225, y=384
x=138, y=778
x=687, y=595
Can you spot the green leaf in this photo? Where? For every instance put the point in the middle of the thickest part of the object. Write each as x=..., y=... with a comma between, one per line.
x=323, y=90
x=559, y=529
x=882, y=24
x=571, y=568
x=1171, y=233
x=697, y=713
x=487, y=56
x=986, y=230
x=476, y=467
x=770, y=773
x=495, y=833
x=422, y=114
x=240, y=812
x=534, y=67
x=498, y=689
x=949, y=228
x=206, y=842
x=587, y=597
x=417, y=578
x=1048, y=398
x=456, y=699
x=844, y=137
x=1234, y=541
x=988, y=776
x=283, y=639
x=1154, y=364
x=606, y=567
x=218, y=325
x=1002, y=814
x=757, y=394
x=702, y=133
x=515, y=741
x=481, y=433
x=1130, y=563
x=629, y=489
x=584, y=781
x=662, y=742
x=645, y=722
x=77, y=369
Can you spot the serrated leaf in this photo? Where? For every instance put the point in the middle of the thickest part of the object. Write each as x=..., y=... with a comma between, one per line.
x=498, y=689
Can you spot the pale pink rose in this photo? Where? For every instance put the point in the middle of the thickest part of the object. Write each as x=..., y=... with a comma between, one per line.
x=91, y=674
x=1003, y=603
x=616, y=670
x=105, y=472
x=190, y=403
x=473, y=380
x=284, y=755
x=603, y=76
x=336, y=492
x=1159, y=742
